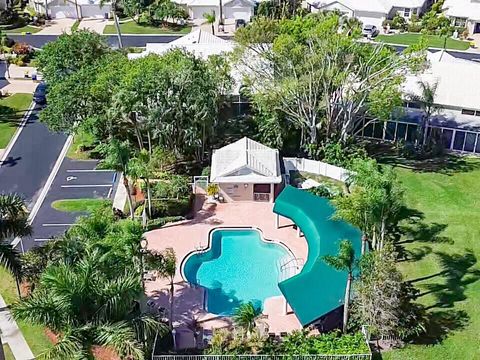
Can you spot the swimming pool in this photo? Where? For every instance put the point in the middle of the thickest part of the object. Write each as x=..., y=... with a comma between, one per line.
x=237, y=268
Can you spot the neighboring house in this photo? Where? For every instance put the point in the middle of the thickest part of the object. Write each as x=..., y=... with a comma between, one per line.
x=372, y=12
x=232, y=9
x=457, y=99
x=464, y=13
x=246, y=171
x=75, y=9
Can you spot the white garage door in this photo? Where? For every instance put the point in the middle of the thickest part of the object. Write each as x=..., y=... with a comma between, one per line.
x=238, y=13
x=196, y=12
x=62, y=12
x=370, y=18
x=95, y=11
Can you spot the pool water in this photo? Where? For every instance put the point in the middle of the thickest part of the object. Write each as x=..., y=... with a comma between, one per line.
x=238, y=268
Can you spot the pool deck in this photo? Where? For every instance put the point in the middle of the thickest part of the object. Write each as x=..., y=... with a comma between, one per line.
x=186, y=236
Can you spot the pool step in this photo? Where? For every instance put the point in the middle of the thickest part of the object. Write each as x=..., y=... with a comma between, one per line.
x=289, y=266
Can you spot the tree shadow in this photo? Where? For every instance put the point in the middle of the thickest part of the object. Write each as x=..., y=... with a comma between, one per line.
x=457, y=273
x=448, y=164
x=440, y=324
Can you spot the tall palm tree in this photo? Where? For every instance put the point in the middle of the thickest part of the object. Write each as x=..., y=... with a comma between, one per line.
x=13, y=223
x=344, y=261
x=246, y=315
x=210, y=20
x=87, y=307
x=426, y=99
x=141, y=167
x=117, y=157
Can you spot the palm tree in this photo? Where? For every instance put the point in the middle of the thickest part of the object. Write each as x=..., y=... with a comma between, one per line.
x=141, y=167
x=210, y=20
x=165, y=263
x=13, y=223
x=344, y=261
x=246, y=315
x=426, y=99
x=88, y=307
x=117, y=157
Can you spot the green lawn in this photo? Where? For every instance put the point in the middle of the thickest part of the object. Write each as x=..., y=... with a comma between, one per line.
x=445, y=269
x=25, y=28
x=432, y=40
x=34, y=334
x=81, y=146
x=12, y=109
x=79, y=205
x=131, y=27
x=8, y=352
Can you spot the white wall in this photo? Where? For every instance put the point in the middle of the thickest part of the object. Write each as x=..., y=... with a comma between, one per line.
x=370, y=18
x=316, y=167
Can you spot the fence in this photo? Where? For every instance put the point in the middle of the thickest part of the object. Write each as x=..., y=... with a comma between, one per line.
x=315, y=167
x=264, y=357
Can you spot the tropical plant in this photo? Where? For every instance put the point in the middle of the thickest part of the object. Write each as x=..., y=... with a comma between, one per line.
x=212, y=189
x=117, y=156
x=426, y=99
x=344, y=261
x=246, y=315
x=210, y=18
x=13, y=223
x=140, y=167
x=87, y=306
x=165, y=263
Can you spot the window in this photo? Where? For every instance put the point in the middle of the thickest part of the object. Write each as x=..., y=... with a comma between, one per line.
x=406, y=12
x=468, y=112
x=460, y=22
x=459, y=140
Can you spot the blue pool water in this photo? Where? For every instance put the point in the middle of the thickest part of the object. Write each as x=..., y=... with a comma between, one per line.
x=239, y=267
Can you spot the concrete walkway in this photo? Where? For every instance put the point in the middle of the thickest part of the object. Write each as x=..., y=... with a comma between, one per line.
x=57, y=27
x=92, y=24
x=12, y=335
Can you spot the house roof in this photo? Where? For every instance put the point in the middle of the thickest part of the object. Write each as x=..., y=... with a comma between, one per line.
x=456, y=88
x=245, y=161
x=379, y=6
x=462, y=8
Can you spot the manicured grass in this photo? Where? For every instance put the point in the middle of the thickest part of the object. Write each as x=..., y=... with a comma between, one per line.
x=25, y=28
x=432, y=40
x=79, y=205
x=81, y=142
x=131, y=27
x=8, y=352
x=442, y=258
x=12, y=109
x=34, y=334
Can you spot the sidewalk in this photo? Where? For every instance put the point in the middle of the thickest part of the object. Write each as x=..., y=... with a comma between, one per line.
x=12, y=335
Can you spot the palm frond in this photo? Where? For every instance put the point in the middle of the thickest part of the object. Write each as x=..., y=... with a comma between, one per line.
x=70, y=346
x=13, y=217
x=120, y=337
x=10, y=259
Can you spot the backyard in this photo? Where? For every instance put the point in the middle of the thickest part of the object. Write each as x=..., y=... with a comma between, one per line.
x=12, y=109
x=432, y=40
x=441, y=257
x=131, y=27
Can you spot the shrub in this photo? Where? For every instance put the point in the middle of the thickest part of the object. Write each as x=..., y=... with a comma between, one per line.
x=22, y=49
x=8, y=17
x=172, y=186
x=206, y=171
x=323, y=190
x=399, y=23
x=212, y=189
x=171, y=207
x=158, y=223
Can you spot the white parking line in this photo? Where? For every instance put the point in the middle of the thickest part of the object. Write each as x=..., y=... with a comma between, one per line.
x=58, y=224
x=42, y=240
x=86, y=186
x=92, y=170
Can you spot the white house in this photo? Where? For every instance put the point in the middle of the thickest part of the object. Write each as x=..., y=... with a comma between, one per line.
x=464, y=13
x=232, y=9
x=371, y=12
x=246, y=171
x=58, y=9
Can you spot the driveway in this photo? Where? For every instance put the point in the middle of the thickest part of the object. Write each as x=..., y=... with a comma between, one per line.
x=93, y=24
x=57, y=27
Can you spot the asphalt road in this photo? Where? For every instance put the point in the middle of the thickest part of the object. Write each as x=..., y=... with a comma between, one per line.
x=31, y=159
x=140, y=41
x=76, y=179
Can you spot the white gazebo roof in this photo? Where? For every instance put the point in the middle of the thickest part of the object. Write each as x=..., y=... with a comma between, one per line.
x=246, y=161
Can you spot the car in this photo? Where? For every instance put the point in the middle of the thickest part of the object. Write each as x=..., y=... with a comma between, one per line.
x=370, y=31
x=240, y=23
x=40, y=94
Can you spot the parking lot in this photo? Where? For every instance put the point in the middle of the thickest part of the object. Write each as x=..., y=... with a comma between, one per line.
x=76, y=179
